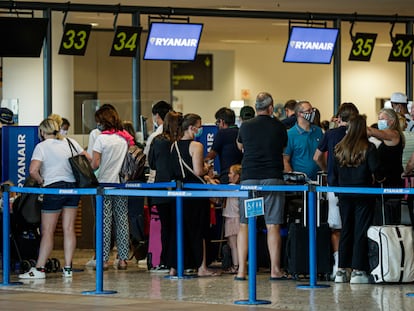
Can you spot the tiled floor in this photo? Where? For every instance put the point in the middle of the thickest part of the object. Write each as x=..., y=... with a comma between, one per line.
x=138, y=289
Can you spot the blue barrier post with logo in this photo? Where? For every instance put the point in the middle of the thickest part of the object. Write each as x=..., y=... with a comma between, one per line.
x=18, y=143
x=207, y=138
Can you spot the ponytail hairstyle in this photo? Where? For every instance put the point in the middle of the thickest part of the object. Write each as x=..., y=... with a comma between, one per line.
x=50, y=127
x=190, y=119
x=171, y=128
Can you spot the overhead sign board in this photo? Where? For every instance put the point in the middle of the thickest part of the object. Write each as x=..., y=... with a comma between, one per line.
x=126, y=41
x=75, y=39
x=362, y=46
x=402, y=48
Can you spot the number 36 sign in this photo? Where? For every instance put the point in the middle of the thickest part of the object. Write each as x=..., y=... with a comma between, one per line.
x=402, y=48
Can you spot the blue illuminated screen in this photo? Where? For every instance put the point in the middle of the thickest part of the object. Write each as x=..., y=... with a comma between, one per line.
x=172, y=41
x=311, y=45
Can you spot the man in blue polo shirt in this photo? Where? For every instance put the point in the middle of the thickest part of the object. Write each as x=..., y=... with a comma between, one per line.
x=303, y=139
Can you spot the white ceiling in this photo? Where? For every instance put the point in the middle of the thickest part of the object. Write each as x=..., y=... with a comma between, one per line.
x=246, y=30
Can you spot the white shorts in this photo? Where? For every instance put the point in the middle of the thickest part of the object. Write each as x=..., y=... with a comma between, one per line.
x=334, y=217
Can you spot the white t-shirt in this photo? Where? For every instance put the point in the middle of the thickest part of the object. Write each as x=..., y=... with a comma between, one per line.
x=152, y=173
x=92, y=138
x=54, y=154
x=112, y=148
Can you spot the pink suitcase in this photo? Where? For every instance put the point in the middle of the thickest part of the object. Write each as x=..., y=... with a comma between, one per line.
x=154, y=246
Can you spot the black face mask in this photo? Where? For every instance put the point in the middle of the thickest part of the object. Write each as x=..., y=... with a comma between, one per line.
x=309, y=116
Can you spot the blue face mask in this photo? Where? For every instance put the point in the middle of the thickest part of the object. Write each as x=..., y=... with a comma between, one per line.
x=382, y=124
x=199, y=133
x=100, y=127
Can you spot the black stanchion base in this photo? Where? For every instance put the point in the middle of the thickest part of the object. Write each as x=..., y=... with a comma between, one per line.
x=104, y=292
x=11, y=284
x=308, y=286
x=252, y=302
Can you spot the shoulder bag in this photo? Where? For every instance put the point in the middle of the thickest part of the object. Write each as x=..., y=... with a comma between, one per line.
x=81, y=168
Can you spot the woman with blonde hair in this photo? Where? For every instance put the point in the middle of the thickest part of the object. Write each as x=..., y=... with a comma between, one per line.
x=51, y=169
x=390, y=153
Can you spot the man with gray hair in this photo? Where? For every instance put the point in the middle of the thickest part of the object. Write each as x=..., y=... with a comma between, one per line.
x=262, y=140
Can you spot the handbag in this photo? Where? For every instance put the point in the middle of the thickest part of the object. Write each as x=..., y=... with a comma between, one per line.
x=82, y=169
x=182, y=164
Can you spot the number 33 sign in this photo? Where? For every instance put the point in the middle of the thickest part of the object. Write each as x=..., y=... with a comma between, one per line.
x=75, y=39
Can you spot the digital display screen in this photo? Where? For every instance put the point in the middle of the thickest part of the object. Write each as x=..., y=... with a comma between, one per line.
x=172, y=41
x=22, y=37
x=311, y=45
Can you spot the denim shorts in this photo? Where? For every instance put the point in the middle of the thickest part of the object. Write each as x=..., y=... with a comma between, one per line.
x=53, y=203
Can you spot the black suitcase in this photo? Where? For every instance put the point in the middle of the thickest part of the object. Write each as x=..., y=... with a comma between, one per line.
x=297, y=245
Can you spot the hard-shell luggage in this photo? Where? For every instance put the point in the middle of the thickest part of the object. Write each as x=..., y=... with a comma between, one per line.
x=391, y=252
x=154, y=245
x=297, y=245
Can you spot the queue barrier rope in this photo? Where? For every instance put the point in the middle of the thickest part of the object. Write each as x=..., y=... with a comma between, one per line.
x=180, y=191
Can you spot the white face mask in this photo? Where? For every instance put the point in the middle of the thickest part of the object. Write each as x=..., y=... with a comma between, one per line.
x=382, y=124
x=63, y=132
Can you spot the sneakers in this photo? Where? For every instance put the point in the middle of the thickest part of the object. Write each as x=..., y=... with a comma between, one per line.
x=160, y=269
x=342, y=276
x=359, y=277
x=33, y=273
x=67, y=272
x=91, y=263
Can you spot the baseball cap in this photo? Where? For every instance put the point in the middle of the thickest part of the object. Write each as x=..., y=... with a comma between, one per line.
x=6, y=116
x=399, y=98
x=247, y=112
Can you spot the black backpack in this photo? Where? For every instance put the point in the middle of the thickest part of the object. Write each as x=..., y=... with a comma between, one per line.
x=133, y=167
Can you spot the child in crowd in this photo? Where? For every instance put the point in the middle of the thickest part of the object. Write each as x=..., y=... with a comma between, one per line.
x=232, y=218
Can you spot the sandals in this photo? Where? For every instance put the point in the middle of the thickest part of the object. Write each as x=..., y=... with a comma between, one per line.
x=122, y=265
x=231, y=270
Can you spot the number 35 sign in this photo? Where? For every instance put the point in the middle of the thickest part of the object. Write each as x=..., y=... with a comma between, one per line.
x=363, y=46
x=75, y=39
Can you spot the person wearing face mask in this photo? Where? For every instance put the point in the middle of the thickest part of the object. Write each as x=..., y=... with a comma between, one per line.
x=64, y=127
x=303, y=139
x=224, y=144
x=390, y=153
x=399, y=104
x=187, y=157
x=159, y=110
x=262, y=140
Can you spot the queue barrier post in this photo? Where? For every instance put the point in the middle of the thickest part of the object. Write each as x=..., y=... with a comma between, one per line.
x=180, y=233
x=6, y=238
x=99, y=248
x=312, y=242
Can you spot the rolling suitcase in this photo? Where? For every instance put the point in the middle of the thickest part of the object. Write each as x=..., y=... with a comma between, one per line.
x=297, y=246
x=390, y=252
x=154, y=243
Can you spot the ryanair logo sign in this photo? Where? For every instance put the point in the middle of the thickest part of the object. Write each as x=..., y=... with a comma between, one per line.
x=173, y=42
x=312, y=45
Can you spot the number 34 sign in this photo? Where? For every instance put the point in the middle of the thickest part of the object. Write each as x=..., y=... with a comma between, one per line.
x=126, y=41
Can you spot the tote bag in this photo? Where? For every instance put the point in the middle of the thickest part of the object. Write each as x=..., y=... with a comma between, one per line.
x=82, y=170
